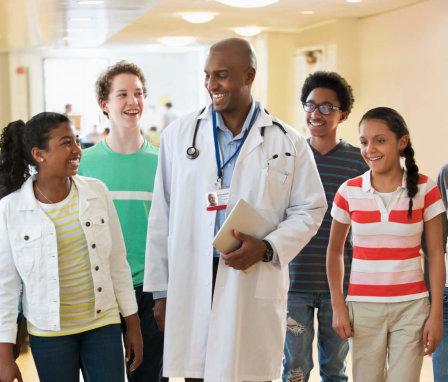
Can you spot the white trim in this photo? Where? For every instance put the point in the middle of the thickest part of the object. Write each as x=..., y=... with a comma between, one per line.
x=131, y=195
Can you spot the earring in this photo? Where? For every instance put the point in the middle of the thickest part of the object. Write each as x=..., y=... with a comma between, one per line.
x=401, y=153
x=41, y=159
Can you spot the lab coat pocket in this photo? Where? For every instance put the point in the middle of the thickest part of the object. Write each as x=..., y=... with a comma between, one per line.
x=271, y=282
x=27, y=246
x=277, y=189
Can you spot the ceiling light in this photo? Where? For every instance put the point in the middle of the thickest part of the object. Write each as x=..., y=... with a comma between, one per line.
x=198, y=18
x=177, y=41
x=307, y=12
x=80, y=19
x=247, y=3
x=248, y=31
x=90, y=2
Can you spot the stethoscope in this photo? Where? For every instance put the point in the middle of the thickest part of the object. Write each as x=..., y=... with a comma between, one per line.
x=193, y=151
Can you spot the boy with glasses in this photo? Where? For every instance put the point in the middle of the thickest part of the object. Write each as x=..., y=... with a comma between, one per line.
x=327, y=100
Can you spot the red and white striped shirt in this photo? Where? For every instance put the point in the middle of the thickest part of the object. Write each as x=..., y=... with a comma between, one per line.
x=386, y=263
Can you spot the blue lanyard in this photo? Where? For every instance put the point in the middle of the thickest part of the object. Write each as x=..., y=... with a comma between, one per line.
x=215, y=136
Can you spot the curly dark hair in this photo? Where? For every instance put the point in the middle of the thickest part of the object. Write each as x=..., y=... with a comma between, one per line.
x=329, y=80
x=16, y=141
x=104, y=81
x=395, y=122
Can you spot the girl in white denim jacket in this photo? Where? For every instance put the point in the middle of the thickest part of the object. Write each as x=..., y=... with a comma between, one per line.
x=60, y=236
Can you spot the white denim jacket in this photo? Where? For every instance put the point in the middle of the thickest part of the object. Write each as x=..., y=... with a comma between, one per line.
x=28, y=252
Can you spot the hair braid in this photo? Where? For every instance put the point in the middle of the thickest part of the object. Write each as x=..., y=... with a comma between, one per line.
x=14, y=168
x=412, y=175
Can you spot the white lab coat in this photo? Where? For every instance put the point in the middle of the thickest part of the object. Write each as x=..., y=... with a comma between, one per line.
x=241, y=338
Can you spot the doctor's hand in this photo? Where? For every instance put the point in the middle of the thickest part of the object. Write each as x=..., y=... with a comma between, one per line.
x=251, y=252
x=159, y=313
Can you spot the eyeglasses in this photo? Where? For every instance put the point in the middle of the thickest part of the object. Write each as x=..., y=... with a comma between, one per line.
x=324, y=108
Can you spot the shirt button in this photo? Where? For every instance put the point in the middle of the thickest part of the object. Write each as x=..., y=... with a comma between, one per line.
x=93, y=245
x=102, y=221
x=26, y=237
x=231, y=142
x=229, y=165
x=88, y=224
x=97, y=268
x=98, y=311
x=100, y=289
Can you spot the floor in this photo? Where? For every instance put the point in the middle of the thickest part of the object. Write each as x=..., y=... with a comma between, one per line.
x=29, y=374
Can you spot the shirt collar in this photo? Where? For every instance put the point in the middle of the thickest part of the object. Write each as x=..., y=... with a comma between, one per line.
x=224, y=128
x=367, y=184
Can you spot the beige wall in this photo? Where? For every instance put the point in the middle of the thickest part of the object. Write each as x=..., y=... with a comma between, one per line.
x=5, y=105
x=398, y=59
x=404, y=65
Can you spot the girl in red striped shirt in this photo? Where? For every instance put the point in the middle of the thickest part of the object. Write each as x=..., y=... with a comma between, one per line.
x=388, y=318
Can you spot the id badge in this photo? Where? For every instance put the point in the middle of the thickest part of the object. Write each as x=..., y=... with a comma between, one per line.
x=217, y=199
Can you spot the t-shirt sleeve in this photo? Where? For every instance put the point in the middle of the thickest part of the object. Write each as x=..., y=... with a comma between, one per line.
x=340, y=210
x=433, y=201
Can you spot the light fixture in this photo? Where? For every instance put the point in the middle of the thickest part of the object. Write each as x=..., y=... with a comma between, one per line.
x=80, y=19
x=247, y=3
x=198, y=18
x=248, y=31
x=307, y=12
x=90, y=2
x=177, y=41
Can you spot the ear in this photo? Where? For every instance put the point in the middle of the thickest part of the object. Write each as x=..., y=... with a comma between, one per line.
x=250, y=75
x=103, y=106
x=37, y=154
x=344, y=116
x=403, y=142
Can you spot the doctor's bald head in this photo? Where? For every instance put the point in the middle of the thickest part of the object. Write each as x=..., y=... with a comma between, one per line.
x=229, y=73
x=240, y=48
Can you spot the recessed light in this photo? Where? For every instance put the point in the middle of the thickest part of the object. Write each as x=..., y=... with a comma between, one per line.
x=175, y=41
x=307, y=12
x=90, y=2
x=80, y=19
x=248, y=31
x=247, y=3
x=198, y=18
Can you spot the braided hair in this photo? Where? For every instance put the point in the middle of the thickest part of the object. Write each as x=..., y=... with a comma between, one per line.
x=397, y=125
x=16, y=141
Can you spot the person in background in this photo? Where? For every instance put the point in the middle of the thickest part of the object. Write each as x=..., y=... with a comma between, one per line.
x=388, y=318
x=327, y=99
x=68, y=109
x=127, y=163
x=170, y=115
x=221, y=323
x=440, y=356
x=153, y=136
x=60, y=236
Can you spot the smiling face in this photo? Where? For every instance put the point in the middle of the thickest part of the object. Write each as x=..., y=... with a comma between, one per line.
x=126, y=101
x=380, y=147
x=321, y=125
x=62, y=155
x=228, y=79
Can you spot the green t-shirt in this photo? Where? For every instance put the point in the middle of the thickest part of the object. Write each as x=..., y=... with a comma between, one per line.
x=130, y=179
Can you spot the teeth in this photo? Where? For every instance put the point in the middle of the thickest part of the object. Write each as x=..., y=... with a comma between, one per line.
x=131, y=112
x=375, y=158
x=316, y=123
x=218, y=96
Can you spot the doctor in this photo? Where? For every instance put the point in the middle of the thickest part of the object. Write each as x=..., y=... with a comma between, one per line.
x=222, y=324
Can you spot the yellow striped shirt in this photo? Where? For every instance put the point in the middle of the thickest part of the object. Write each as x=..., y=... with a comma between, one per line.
x=76, y=292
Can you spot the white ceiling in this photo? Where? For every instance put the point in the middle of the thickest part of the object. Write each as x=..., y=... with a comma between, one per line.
x=38, y=24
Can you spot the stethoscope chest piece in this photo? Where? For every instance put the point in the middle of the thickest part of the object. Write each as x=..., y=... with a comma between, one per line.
x=192, y=152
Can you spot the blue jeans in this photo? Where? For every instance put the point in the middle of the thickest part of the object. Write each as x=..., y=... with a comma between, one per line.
x=97, y=352
x=332, y=350
x=150, y=370
x=440, y=356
